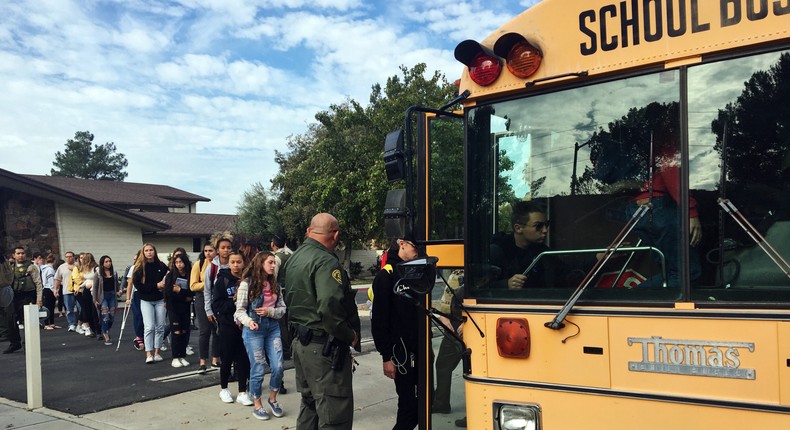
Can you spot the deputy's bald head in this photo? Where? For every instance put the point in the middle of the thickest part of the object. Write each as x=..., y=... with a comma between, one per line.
x=323, y=223
x=324, y=229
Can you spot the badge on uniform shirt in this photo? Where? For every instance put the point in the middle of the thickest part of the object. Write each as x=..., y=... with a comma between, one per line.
x=337, y=276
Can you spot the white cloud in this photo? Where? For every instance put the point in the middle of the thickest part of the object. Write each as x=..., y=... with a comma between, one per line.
x=141, y=40
x=199, y=94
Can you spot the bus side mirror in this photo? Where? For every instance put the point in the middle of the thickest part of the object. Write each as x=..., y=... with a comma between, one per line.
x=395, y=214
x=394, y=159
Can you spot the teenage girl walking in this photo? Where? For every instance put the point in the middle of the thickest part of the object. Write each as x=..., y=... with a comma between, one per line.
x=48, y=281
x=259, y=306
x=179, y=299
x=84, y=280
x=206, y=332
x=222, y=289
x=148, y=278
x=105, y=295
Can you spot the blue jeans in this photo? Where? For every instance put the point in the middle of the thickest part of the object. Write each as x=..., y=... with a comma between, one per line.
x=262, y=343
x=107, y=306
x=137, y=316
x=69, y=301
x=154, y=323
x=660, y=228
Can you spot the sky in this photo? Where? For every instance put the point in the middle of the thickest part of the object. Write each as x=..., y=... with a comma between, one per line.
x=199, y=94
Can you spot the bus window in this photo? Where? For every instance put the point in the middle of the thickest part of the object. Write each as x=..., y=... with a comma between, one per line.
x=584, y=156
x=446, y=180
x=739, y=118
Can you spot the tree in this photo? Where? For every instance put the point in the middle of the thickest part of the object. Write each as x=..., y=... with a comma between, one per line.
x=337, y=166
x=757, y=123
x=258, y=217
x=83, y=159
x=621, y=154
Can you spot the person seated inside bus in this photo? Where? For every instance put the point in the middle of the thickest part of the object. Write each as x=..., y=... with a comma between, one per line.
x=660, y=228
x=513, y=253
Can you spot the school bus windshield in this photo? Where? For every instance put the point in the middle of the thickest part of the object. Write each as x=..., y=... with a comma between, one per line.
x=589, y=157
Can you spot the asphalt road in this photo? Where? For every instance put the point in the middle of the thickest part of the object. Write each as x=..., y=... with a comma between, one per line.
x=81, y=375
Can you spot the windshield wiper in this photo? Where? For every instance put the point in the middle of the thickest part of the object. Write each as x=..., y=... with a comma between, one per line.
x=557, y=322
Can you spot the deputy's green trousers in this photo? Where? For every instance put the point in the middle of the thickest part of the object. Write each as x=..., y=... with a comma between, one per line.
x=327, y=395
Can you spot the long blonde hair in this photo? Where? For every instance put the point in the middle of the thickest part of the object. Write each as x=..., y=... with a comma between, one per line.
x=139, y=262
x=90, y=265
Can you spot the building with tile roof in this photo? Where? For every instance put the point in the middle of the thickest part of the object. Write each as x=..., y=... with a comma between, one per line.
x=58, y=214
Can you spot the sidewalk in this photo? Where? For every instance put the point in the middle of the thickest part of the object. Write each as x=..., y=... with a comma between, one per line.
x=375, y=403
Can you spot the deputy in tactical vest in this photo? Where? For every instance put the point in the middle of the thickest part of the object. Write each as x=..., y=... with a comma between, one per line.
x=27, y=283
x=27, y=278
x=324, y=316
x=8, y=326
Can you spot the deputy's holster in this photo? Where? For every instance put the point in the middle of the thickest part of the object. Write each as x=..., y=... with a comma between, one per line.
x=337, y=351
x=304, y=334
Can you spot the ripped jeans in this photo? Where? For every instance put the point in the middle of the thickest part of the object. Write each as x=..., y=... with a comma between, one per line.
x=260, y=344
x=108, y=305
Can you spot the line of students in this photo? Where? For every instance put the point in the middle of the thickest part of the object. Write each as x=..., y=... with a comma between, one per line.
x=242, y=304
x=88, y=290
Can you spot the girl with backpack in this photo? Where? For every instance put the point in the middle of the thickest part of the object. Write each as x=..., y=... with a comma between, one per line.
x=223, y=282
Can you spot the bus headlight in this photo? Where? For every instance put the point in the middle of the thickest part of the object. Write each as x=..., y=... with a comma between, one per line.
x=517, y=417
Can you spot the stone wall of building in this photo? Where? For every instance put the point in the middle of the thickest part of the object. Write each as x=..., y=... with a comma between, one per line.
x=27, y=221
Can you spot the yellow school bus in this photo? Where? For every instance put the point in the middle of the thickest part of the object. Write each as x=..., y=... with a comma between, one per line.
x=614, y=199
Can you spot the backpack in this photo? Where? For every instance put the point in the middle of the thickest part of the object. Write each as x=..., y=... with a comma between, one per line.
x=213, y=273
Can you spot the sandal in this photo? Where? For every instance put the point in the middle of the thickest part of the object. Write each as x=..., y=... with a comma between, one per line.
x=56, y=326
x=49, y=327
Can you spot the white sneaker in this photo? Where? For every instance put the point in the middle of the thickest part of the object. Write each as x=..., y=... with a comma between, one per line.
x=244, y=399
x=190, y=351
x=164, y=347
x=149, y=359
x=87, y=332
x=225, y=396
x=80, y=330
x=72, y=328
x=184, y=363
x=158, y=357
x=176, y=363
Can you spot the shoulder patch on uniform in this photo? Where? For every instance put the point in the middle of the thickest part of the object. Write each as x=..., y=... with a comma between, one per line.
x=337, y=276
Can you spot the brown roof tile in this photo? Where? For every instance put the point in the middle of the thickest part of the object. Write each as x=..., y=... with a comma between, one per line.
x=191, y=224
x=31, y=185
x=121, y=193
